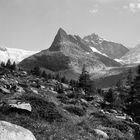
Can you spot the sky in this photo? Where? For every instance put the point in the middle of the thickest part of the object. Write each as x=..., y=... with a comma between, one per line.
x=33, y=24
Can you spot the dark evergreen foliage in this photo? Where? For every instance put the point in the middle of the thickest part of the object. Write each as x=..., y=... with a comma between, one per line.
x=85, y=82
x=109, y=96
x=8, y=64
x=133, y=100
x=37, y=71
x=2, y=64
x=43, y=74
x=13, y=66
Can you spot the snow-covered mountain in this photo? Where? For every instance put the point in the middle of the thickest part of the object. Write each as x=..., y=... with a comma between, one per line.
x=14, y=54
x=133, y=56
x=107, y=48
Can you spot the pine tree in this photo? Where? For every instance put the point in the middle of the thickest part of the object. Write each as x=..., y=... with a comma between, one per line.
x=37, y=71
x=2, y=64
x=129, y=79
x=133, y=100
x=74, y=83
x=109, y=96
x=44, y=74
x=85, y=82
x=13, y=66
x=135, y=88
x=50, y=76
x=8, y=64
x=57, y=77
x=64, y=80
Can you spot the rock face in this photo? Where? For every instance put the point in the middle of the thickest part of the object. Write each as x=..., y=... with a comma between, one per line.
x=69, y=53
x=111, y=49
x=10, y=131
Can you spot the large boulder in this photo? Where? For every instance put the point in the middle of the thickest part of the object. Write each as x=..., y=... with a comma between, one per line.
x=4, y=90
x=23, y=106
x=100, y=133
x=9, y=131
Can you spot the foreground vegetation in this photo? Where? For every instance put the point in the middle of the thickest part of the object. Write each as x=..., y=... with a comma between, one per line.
x=69, y=110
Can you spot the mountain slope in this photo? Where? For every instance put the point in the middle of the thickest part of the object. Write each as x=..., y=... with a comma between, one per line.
x=133, y=56
x=69, y=53
x=111, y=49
x=14, y=54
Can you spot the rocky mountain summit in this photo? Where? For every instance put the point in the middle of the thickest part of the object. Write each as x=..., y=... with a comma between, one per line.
x=111, y=49
x=67, y=54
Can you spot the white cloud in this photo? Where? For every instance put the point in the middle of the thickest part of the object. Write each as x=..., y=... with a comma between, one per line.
x=138, y=5
x=133, y=7
x=93, y=11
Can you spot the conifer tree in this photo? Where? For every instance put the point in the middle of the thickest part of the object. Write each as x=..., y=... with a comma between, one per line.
x=64, y=80
x=2, y=64
x=44, y=74
x=109, y=96
x=133, y=100
x=13, y=66
x=8, y=64
x=85, y=82
x=37, y=71
x=129, y=79
x=57, y=77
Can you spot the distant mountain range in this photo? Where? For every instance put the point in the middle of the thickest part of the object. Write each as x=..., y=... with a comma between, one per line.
x=14, y=54
x=68, y=54
x=110, y=49
x=132, y=57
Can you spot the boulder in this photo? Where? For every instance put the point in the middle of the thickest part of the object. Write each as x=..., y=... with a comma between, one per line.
x=24, y=106
x=101, y=133
x=34, y=91
x=9, y=131
x=4, y=90
x=20, y=89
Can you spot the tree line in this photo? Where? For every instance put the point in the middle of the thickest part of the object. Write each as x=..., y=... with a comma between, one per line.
x=8, y=65
x=83, y=82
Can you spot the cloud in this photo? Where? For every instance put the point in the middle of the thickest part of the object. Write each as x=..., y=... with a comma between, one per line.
x=95, y=9
x=133, y=7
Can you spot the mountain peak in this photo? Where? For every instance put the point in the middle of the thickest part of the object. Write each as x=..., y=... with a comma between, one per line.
x=61, y=31
x=60, y=37
x=93, y=38
x=61, y=34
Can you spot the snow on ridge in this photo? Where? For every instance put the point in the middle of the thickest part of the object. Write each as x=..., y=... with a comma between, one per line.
x=95, y=50
x=14, y=54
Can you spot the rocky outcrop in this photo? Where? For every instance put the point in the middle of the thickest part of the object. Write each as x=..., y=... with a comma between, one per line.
x=22, y=106
x=100, y=133
x=111, y=49
x=9, y=131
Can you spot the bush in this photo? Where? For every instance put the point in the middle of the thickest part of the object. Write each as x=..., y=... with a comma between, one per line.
x=43, y=109
x=75, y=110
